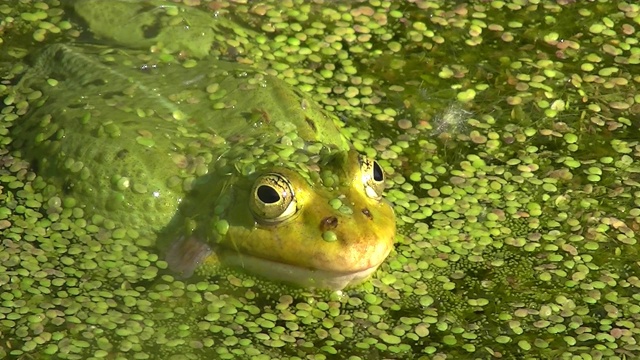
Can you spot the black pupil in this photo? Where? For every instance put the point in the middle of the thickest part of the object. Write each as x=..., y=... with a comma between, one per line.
x=267, y=194
x=378, y=175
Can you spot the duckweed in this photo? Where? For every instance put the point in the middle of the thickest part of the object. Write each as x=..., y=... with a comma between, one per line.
x=512, y=173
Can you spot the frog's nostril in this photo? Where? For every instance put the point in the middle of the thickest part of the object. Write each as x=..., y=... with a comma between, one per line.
x=367, y=213
x=329, y=223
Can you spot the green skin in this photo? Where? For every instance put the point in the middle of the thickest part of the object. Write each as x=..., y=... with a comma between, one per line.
x=218, y=162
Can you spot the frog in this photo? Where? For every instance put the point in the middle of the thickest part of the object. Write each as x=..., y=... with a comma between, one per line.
x=211, y=162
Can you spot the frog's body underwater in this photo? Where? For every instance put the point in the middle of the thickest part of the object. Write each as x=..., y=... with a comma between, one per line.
x=221, y=161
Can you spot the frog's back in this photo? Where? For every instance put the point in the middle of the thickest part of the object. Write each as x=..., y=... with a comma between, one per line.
x=126, y=136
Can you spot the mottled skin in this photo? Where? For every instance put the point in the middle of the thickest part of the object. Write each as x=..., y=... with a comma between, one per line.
x=223, y=161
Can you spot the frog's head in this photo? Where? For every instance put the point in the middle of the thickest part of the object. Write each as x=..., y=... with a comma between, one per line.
x=327, y=227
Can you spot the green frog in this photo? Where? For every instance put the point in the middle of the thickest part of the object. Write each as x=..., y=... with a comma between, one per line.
x=216, y=161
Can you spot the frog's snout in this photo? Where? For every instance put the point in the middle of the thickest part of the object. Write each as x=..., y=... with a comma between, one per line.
x=331, y=222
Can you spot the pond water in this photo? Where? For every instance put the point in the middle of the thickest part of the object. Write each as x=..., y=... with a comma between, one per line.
x=508, y=131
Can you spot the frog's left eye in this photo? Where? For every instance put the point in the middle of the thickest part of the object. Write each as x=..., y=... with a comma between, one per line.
x=372, y=177
x=273, y=199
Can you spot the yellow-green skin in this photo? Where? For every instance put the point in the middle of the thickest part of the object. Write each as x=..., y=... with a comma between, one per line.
x=179, y=152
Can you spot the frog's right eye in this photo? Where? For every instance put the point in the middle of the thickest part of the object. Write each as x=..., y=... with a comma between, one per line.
x=272, y=199
x=372, y=177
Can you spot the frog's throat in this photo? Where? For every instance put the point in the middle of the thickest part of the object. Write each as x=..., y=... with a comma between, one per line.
x=310, y=278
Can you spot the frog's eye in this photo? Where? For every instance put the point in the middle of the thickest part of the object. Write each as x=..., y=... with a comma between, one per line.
x=372, y=177
x=272, y=199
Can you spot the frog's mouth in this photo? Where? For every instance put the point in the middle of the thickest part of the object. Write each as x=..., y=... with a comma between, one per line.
x=311, y=278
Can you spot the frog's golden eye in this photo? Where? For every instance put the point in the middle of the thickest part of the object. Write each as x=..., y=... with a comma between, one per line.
x=273, y=199
x=372, y=177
